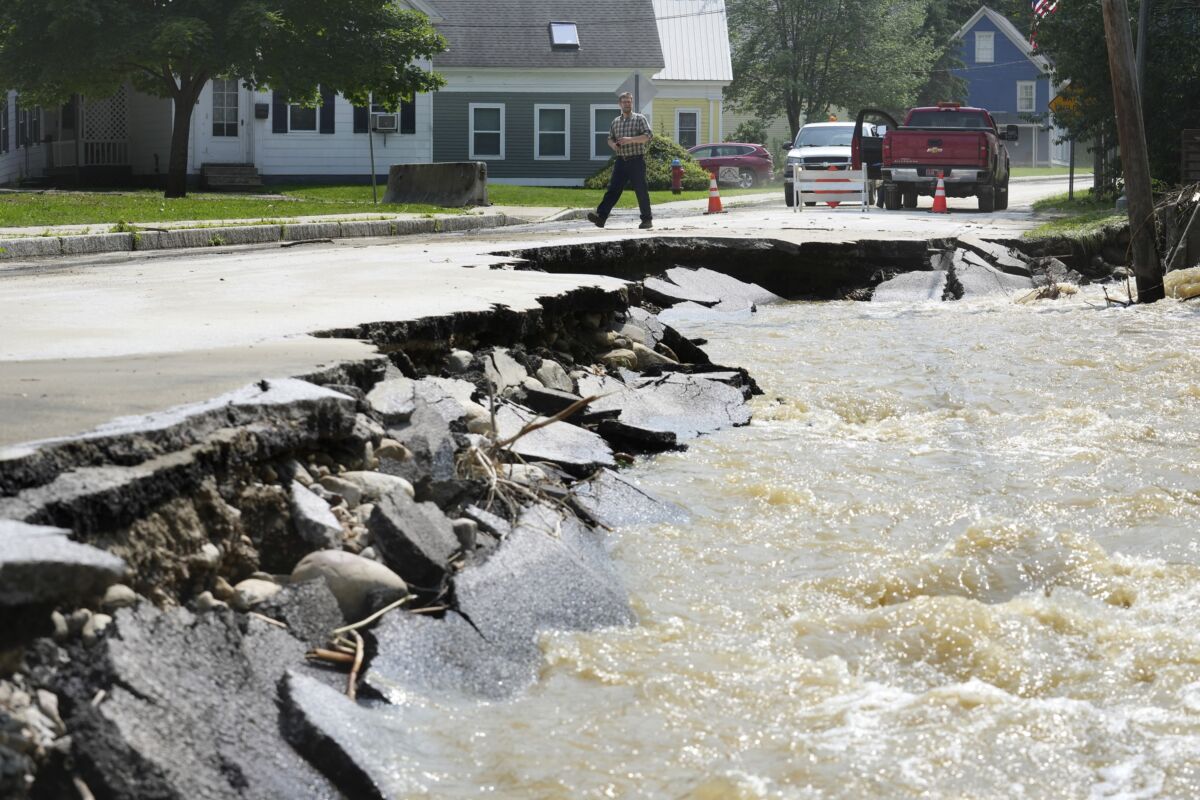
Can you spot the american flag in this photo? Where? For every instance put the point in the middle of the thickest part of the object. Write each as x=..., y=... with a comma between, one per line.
x=1043, y=7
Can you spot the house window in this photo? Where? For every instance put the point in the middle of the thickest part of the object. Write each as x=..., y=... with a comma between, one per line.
x=602, y=117
x=302, y=119
x=1026, y=92
x=564, y=35
x=687, y=127
x=487, y=130
x=552, y=125
x=985, y=47
x=29, y=125
x=225, y=106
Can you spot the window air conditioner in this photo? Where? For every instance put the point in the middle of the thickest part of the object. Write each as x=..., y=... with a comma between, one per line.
x=385, y=123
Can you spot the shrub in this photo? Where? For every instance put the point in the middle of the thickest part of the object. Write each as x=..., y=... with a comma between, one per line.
x=659, y=155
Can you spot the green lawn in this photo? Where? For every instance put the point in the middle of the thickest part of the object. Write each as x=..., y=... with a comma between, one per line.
x=40, y=209
x=1082, y=216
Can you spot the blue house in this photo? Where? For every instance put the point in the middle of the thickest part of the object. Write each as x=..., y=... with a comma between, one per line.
x=1007, y=77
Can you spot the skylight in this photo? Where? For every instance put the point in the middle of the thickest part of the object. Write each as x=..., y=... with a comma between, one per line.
x=564, y=35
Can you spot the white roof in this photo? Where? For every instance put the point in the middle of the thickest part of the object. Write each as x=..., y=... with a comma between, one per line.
x=1009, y=30
x=695, y=40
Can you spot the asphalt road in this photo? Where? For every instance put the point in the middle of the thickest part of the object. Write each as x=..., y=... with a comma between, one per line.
x=84, y=340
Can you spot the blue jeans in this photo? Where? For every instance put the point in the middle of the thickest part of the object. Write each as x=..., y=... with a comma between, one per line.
x=632, y=170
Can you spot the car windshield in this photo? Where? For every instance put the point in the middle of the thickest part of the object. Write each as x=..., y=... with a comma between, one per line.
x=949, y=118
x=825, y=137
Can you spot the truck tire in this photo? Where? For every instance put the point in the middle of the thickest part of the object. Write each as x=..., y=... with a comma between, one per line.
x=910, y=197
x=987, y=198
x=787, y=195
x=1002, y=196
x=891, y=197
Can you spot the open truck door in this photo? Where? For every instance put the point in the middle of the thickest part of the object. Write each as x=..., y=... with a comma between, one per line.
x=866, y=148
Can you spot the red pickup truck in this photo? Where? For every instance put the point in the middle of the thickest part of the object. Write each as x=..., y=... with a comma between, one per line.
x=960, y=143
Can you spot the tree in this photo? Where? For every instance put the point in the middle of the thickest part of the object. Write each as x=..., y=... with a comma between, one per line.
x=51, y=49
x=802, y=57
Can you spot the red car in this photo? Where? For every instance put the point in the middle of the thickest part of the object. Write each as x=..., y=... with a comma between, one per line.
x=753, y=162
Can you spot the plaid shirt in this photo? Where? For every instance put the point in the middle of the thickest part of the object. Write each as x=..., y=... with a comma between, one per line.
x=634, y=125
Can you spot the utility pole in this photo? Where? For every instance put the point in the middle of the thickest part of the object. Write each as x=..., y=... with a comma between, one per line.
x=1143, y=34
x=1131, y=136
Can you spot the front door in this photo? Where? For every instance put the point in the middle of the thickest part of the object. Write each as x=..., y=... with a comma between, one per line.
x=222, y=134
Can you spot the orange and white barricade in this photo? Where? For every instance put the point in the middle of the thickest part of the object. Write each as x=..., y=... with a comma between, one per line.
x=831, y=186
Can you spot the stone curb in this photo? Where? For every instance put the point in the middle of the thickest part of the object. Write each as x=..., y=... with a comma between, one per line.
x=139, y=240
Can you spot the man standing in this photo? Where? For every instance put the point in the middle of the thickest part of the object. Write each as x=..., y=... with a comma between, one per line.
x=627, y=136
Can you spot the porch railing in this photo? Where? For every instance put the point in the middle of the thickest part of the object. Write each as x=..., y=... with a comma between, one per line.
x=95, y=153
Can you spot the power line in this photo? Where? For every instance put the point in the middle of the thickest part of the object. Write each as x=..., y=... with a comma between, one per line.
x=589, y=23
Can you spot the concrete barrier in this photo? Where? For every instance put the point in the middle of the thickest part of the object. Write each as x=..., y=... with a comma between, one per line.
x=451, y=184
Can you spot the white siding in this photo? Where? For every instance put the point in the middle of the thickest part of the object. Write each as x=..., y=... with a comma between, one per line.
x=343, y=152
x=19, y=162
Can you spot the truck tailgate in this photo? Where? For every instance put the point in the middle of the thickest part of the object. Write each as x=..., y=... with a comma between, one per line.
x=936, y=148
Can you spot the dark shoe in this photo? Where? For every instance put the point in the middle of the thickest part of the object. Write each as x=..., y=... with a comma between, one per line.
x=646, y=225
x=595, y=219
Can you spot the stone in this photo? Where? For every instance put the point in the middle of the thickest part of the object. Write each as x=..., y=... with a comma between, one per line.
x=416, y=540
x=466, y=531
x=529, y=382
x=40, y=567
x=575, y=449
x=94, y=628
x=431, y=470
x=984, y=280
x=59, y=624
x=615, y=359
x=207, y=559
x=206, y=602
x=118, y=596
x=352, y=579
x=78, y=619
x=459, y=361
x=665, y=293
x=647, y=358
x=486, y=520
x=479, y=419
x=222, y=590
x=548, y=401
x=553, y=376
x=308, y=608
x=997, y=256
x=390, y=448
x=502, y=370
x=314, y=522
x=348, y=490
x=643, y=326
x=252, y=592
x=373, y=486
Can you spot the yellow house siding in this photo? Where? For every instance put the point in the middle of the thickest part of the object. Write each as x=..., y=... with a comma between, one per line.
x=662, y=120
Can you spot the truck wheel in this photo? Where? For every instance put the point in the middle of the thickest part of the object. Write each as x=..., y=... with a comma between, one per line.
x=910, y=197
x=787, y=195
x=891, y=197
x=987, y=199
x=1002, y=197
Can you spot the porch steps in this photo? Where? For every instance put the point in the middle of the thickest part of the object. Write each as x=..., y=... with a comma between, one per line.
x=230, y=178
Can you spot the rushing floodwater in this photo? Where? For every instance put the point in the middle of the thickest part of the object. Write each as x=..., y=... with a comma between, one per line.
x=956, y=555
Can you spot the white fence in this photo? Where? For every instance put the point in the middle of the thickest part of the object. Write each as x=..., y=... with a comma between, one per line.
x=830, y=186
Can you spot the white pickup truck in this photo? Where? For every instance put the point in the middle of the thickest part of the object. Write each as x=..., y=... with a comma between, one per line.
x=821, y=145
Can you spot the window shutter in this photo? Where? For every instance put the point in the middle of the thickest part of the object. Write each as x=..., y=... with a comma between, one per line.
x=362, y=119
x=408, y=116
x=279, y=113
x=326, y=123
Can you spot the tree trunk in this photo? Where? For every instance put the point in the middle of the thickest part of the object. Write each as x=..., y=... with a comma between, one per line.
x=181, y=128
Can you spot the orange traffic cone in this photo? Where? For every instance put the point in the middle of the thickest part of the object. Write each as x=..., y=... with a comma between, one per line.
x=939, y=197
x=714, y=196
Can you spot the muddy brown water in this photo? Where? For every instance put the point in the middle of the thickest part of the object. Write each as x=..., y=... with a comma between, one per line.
x=955, y=555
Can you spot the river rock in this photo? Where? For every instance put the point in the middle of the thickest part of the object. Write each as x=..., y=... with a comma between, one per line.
x=553, y=376
x=576, y=450
x=252, y=592
x=416, y=540
x=374, y=485
x=190, y=709
x=459, y=361
x=41, y=567
x=550, y=573
x=314, y=522
x=647, y=358
x=118, y=596
x=353, y=580
x=347, y=490
x=616, y=359
x=479, y=419
x=502, y=370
